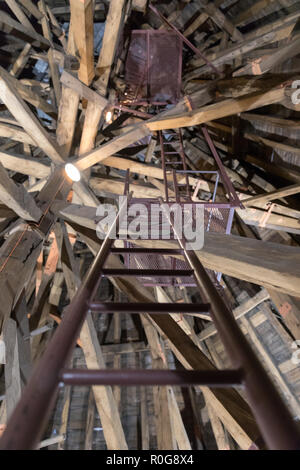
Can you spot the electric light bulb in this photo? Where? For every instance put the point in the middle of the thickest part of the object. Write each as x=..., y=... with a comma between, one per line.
x=108, y=116
x=72, y=172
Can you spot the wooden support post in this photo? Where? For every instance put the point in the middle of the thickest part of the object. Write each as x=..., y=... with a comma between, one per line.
x=83, y=30
x=54, y=72
x=109, y=44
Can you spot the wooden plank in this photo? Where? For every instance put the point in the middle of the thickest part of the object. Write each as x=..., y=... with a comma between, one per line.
x=218, y=430
x=53, y=67
x=273, y=195
x=264, y=64
x=106, y=406
x=239, y=49
x=15, y=133
x=200, y=20
x=101, y=153
x=82, y=23
x=33, y=98
x=218, y=110
x=139, y=5
x=25, y=246
x=161, y=397
x=145, y=434
x=90, y=417
x=26, y=165
x=179, y=430
x=272, y=120
x=238, y=312
x=19, y=13
x=109, y=44
x=289, y=309
x=10, y=26
x=193, y=118
x=90, y=127
x=18, y=108
x=222, y=21
x=17, y=198
x=21, y=61
x=283, y=385
x=12, y=367
x=20, y=315
x=247, y=15
x=267, y=219
x=31, y=7
x=83, y=91
x=67, y=118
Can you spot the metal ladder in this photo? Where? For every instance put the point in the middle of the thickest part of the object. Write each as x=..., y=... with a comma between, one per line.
x=28, y=421
x=171, y=167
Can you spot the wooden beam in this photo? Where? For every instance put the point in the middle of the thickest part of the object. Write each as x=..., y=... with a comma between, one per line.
x=238, y=312
x=218, y=110
x=53, y=67
x=193, y=118
x=239, y=49
x=263, y=64
x=67, y=117
x=15, y=133
x=200, y=20
x=17, y=198
x=90, y=417
x=10, y=26
x=19, y=13
x=26, y=165
x=105, y=402
x=221, y=20
x=12, y=367
x=273, y=195
x=82, y=24
x=109, y=44
x=83, y=91
x=31, y=7
x=21, y=112
x=20, y=61
x=101, y=153
x=283, y=386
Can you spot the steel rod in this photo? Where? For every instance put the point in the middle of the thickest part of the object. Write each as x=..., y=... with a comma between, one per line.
x=146, y=272
x=148, y=307
x=125, y=377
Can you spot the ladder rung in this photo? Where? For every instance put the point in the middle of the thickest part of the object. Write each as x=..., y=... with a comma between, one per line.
x=129, y=377
x=173, y=163
x=146, y=251
x=162, y=308
x=172, y=153
x=147, y=272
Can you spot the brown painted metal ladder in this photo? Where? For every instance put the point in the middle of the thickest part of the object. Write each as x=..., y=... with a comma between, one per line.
x=30, y=417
